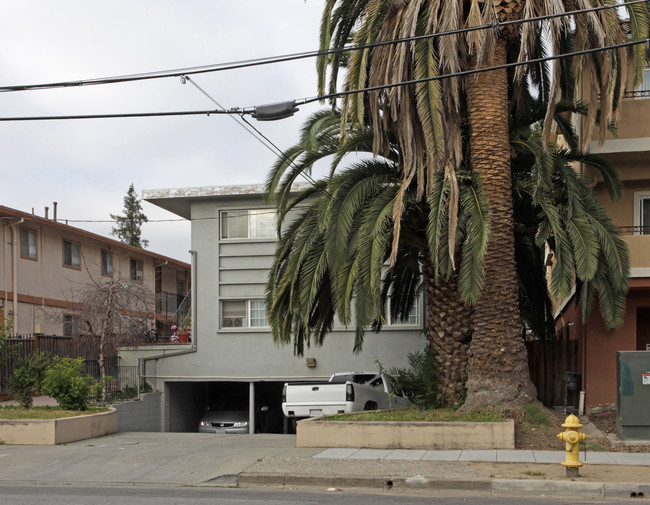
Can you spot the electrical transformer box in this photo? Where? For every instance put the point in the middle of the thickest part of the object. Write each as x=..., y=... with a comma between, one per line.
x=633, y=381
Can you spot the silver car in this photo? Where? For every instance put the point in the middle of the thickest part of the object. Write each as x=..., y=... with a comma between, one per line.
x=224, y=421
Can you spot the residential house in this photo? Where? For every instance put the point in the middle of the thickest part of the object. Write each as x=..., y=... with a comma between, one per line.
x=232, y=353
x=629, y=151
x=44, y=263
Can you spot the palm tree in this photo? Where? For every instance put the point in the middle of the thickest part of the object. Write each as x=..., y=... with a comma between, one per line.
x=336, y=248
x=425, y=118
x=350, y=230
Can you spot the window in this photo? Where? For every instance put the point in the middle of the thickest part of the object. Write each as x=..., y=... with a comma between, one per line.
x=70, y=325
x=107, y=263
x=28, y=243
x=71, y=254
x=413, y=318
x=642, y=212
x=258, y=314
x=243, y=314
x=643, y=91
x=245, y=224
x=137, y=270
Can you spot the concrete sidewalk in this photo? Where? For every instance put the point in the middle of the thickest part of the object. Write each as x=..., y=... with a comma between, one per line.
x=499, y=472
x=273, y=460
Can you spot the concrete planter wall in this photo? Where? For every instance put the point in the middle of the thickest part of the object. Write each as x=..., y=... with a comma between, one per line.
x=405, y=435
x=57, y=431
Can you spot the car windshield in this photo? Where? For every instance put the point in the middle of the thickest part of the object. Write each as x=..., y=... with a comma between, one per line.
x=236, y=403
x=357, y=378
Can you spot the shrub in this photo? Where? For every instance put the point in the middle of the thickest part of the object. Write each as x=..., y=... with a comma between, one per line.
x=420, y=379
x=27, y=377
x=66, y=382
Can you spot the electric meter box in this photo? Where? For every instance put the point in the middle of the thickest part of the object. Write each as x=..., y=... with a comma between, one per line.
x=633, y=381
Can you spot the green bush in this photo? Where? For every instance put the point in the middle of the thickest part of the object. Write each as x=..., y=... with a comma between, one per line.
x=127, y=393
x=66, y=382
x=420, y=380
x=28, y=377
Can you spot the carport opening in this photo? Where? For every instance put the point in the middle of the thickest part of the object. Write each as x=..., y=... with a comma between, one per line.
x=189, y=403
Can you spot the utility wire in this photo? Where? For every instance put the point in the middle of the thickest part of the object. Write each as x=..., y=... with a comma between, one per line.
x=303, y=101
x=295, y=56
x=113, y=116
x=257, y=134
x=233, y=115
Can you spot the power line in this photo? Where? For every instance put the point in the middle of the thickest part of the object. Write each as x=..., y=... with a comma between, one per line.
x=234, y=213
x=303, y=101
x=257, y=134
x=295, y=56
x=126, y=115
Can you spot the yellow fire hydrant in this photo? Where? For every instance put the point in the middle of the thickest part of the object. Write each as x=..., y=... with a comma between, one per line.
x=572, y=437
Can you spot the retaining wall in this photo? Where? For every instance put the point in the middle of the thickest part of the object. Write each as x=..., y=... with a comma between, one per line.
x=317, y=432
x=57, y=431
x=140, y=415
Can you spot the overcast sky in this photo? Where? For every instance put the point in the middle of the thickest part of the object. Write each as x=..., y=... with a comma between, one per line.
x=87, y=165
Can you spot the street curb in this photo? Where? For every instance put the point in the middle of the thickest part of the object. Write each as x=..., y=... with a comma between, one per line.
x=626, y=490
x=512, y=487
x=548, y=488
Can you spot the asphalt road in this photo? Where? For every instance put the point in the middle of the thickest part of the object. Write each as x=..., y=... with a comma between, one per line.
x=170, y=495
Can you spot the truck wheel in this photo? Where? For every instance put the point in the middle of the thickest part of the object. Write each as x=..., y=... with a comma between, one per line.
x=370, y=406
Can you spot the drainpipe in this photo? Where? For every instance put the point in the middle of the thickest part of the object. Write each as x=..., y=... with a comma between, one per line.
x=4, y=264
x=193, y=278
x=14, y=264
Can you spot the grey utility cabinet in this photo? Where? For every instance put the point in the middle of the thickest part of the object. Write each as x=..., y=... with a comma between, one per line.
x=633, y=381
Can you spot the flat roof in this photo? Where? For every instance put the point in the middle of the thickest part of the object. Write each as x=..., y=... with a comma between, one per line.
x=178, y=200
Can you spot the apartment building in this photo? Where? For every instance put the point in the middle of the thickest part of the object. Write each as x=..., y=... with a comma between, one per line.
x=629, y=151
x=45, y=263
x=232, y=353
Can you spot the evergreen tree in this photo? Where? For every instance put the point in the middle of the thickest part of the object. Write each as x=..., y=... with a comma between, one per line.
x=128, y=225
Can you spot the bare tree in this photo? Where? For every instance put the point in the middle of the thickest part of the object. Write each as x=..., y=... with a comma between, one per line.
x=114, y=311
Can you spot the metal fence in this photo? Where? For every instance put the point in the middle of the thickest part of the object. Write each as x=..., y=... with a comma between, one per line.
x=123, y=383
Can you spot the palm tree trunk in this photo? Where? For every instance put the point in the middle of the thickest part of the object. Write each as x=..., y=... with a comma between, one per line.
x=449, y=331
x=498, y=366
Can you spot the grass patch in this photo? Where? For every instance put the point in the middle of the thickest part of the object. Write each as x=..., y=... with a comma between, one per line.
x=534, y=415
x=585, y=446
x=12, y=412
x=417, y=415
x=535, y=474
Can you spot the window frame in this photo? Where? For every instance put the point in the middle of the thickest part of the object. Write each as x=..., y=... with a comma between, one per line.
x=108, y=254
x=35, y=233
x=133, y=273
x=250, y=213
x=72, y=243
x=640, y=197
x=247, y=317
x=71, y=321
x=417, y=307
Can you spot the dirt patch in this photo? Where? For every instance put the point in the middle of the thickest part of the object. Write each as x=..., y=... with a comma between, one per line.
x=588, y=473
x=604, y=421
x=541, y=434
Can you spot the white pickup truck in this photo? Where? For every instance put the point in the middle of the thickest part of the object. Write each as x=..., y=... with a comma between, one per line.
x=343, y=393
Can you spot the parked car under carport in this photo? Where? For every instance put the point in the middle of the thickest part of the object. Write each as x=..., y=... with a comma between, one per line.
x=229, y=416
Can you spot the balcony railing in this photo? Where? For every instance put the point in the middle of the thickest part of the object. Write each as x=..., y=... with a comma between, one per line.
x=168, y=303
x=638, y=94
x=635, y=230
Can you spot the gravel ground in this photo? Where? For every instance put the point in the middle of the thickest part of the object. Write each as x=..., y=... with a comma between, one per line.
x=380, y=468
x=39, y=401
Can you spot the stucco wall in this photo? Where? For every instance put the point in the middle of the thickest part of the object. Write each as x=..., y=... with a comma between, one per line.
x=47, y=289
